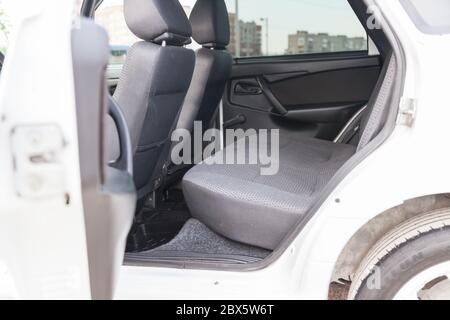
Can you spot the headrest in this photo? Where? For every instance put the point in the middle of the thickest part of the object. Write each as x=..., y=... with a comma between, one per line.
x=158, y=20
x=210, y=23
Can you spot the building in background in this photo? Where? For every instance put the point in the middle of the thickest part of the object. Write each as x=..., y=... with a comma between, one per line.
x=250, y=38
x=305, y=42
x=111, y=17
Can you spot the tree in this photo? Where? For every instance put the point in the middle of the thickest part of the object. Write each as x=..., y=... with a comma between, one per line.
x=3, y=22
x=3, y=27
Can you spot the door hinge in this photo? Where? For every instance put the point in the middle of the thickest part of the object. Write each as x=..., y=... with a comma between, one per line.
x=407, y=112
x=38, y=167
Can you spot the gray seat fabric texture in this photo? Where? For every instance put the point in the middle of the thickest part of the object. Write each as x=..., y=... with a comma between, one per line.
x=196, y=243
x=239, y=203
x=149, y=92
x=210, y=26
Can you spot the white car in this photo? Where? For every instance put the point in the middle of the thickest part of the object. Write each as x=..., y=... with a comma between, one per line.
x=172, y=188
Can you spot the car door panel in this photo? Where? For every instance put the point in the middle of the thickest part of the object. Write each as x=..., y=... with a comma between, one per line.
x=108, y=191
x=310, y=96
x=328, y=87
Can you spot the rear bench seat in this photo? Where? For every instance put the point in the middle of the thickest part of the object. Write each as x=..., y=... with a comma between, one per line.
x=239, y=203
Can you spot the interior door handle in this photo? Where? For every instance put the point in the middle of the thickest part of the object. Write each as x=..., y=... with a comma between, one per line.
x=125, y=160
x=277, y=106
x=243, y=88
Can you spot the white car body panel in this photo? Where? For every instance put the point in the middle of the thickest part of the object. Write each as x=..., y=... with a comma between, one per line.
x=413, y=162
x=42, y=240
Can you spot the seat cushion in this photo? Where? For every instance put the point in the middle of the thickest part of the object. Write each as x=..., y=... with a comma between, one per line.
x=238, y=202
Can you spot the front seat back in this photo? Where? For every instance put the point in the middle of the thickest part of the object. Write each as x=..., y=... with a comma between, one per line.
x=211, y=29
x=153, y=84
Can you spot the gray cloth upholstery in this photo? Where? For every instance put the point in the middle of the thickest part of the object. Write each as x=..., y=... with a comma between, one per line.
x=209, y=19
x=210, y=23
x=212, y=70
x=158, y=20
x=238, y=202
x=150, y=95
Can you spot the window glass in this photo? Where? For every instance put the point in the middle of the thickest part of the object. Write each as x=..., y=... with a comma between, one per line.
x=292, y=27
x=110, y=16
x=265, y=28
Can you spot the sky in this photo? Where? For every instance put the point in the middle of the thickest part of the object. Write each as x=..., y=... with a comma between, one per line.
x=285, y=17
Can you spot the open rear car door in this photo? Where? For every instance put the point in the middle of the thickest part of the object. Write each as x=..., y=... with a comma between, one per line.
x=65, y=211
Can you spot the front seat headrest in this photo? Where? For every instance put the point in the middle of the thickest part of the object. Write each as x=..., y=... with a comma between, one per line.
x=158, y=20
x=210, y=23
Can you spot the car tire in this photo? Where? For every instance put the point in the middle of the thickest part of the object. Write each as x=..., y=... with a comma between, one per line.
x=407, y=251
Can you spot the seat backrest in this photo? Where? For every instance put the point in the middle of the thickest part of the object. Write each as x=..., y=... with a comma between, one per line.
x=376, y=113
x=211, y=29
x=153, y=84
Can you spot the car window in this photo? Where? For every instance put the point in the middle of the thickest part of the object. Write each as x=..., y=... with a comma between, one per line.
x=110, y=16
x=293, y=27
x=281, y=27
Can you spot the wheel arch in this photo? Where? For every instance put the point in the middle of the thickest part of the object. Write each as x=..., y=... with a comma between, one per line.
x=371, y=232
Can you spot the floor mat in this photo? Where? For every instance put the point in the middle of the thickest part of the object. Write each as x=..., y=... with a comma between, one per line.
x=155, y=227
x=197, y=243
